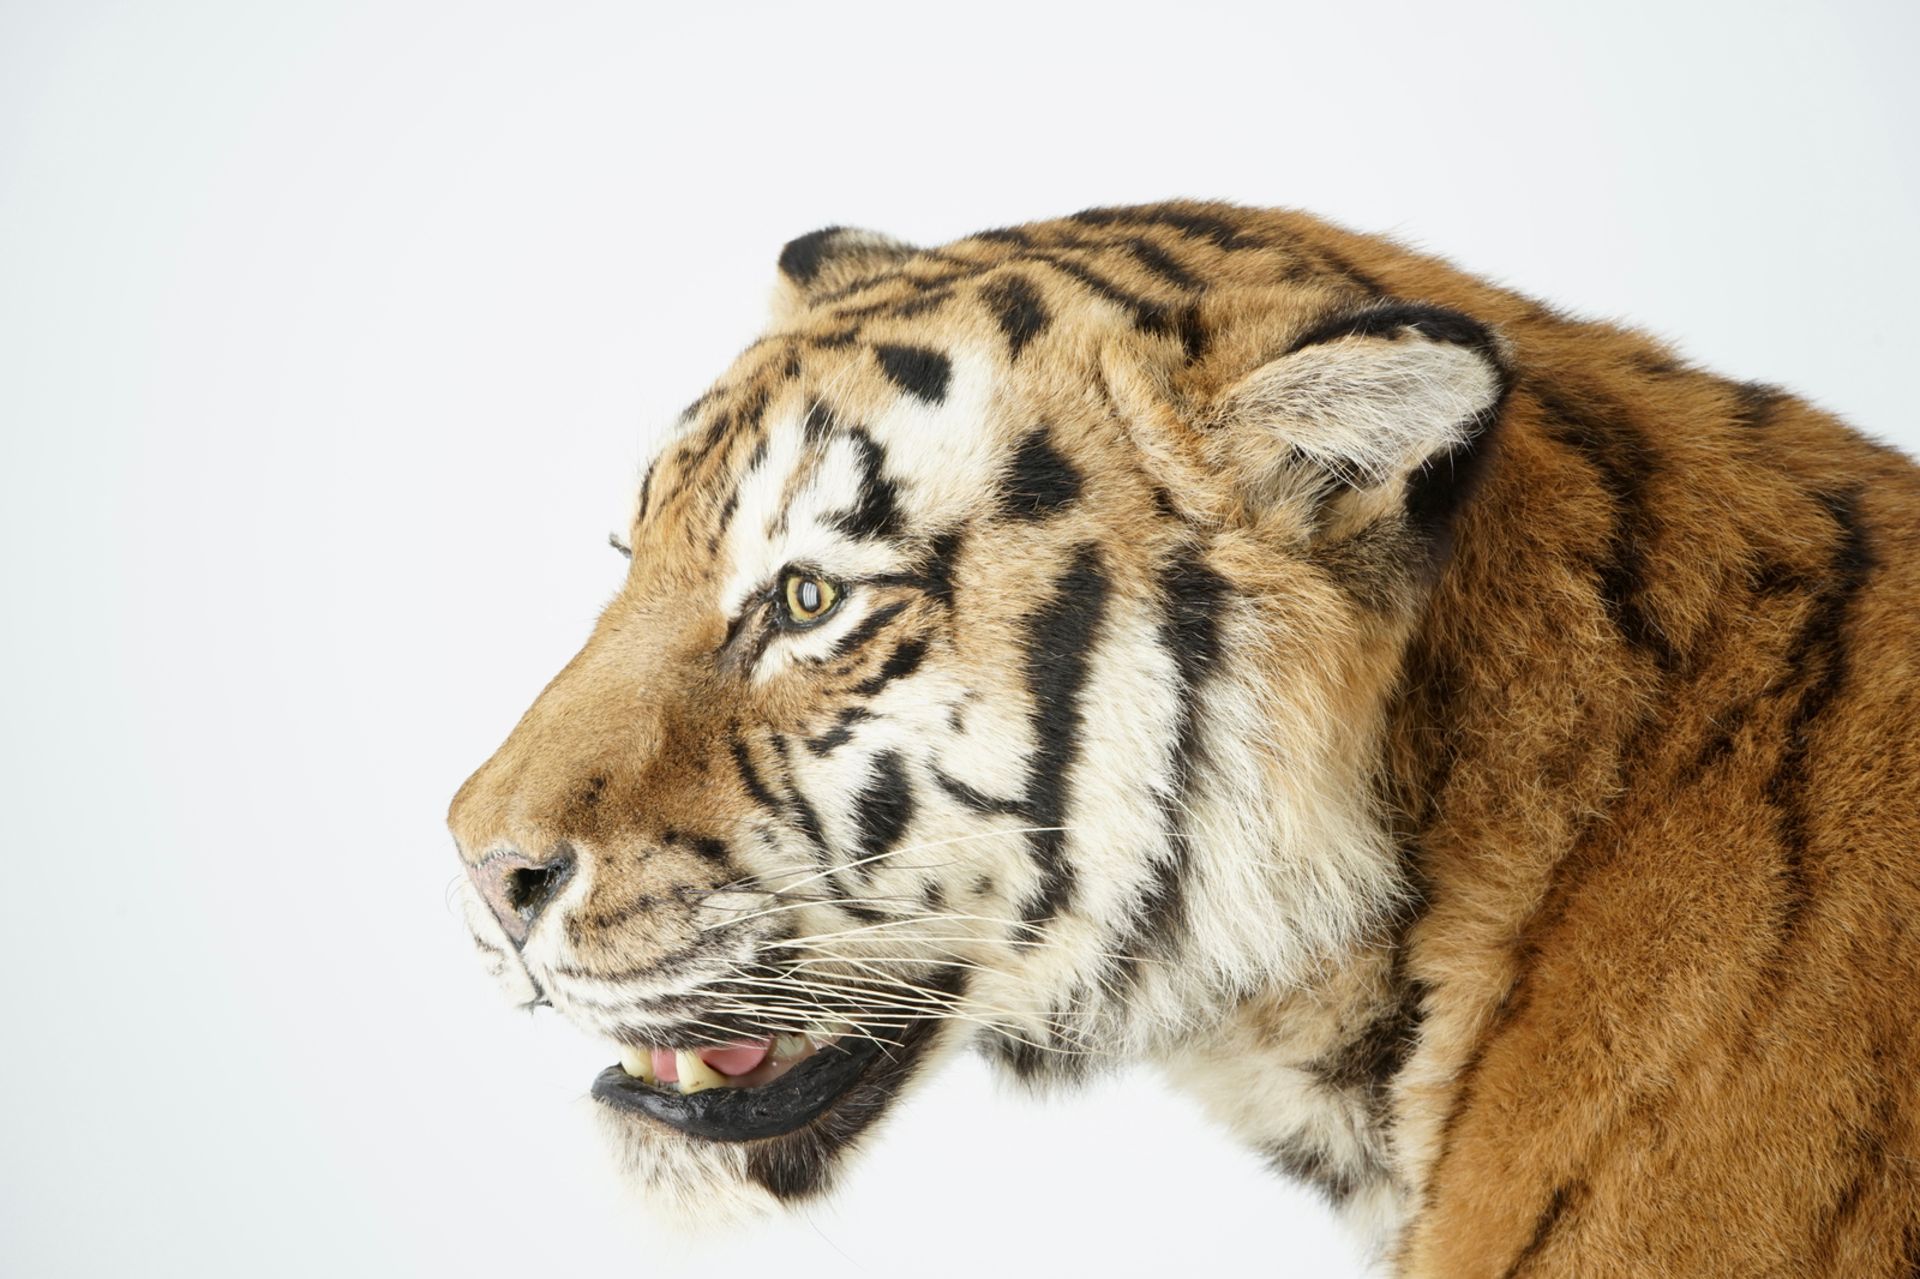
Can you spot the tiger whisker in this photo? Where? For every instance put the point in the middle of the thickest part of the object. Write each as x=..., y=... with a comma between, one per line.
x=994, y=941
x=949, y=1013
x=734, y=920
x=879, y=981
x=925, y=917
x=923, y=847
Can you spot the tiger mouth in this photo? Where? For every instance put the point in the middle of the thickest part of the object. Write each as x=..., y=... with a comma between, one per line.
x=752, y=1089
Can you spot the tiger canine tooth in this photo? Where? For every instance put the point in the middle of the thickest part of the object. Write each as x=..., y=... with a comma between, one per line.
x=637, y=1062
x=694, y=1073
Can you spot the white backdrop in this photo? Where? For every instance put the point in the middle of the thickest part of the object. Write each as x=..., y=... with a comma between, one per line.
x=330, y=337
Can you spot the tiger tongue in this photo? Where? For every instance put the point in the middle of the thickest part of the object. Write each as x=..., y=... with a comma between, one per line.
x=737, y=1058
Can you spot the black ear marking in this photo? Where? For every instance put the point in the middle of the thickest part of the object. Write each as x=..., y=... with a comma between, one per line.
x=1390, y=320
x=1394, y=393
x=1442, y=486
x=819, y=262
x=801, y=258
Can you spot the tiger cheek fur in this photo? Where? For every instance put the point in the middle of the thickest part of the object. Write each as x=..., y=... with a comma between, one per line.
x=1469, y=749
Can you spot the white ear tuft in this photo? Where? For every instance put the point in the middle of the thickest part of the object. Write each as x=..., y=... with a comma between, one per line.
x=1367, y=402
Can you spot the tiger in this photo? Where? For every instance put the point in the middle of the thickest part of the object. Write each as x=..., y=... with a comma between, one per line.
x=1469, y=749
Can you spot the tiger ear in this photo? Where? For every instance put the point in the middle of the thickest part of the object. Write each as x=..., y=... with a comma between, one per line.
x=831, y=258
x=1368, y=414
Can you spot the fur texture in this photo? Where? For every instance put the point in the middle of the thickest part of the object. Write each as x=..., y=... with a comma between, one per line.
x=1470, y=748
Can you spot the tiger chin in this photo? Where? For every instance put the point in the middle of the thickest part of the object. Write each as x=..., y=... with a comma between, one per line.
x=1471, y=750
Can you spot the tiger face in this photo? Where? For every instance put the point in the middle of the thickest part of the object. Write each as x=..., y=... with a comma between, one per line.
x=1000, y=666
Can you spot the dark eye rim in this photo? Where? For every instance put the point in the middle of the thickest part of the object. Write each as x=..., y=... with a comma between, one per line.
x=783, y=618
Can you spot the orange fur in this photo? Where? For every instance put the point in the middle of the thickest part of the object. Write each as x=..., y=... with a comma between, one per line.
x=1649, y=741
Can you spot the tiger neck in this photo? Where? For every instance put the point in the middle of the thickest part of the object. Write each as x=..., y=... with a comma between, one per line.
x=1500, y=737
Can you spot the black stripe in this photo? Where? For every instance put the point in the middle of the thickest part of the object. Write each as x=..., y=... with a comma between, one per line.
x=1054, y=1058
x=1060, y=641
x=750, y=612
x=1821, y=647
x=646, y=489
x=1148, y=316
x=869, y=626
x=750, y=778
x=882, y=811
x=1305, y=1160
x=916, y=370
x=1195, y=337
x=818, y=423
x=1369, y=1062
x=977, y=800
x=744, y=416
x=902, y=662
x=1864, y=1146
x=1040, y=481
x=1157, y=261
x=876, y=512
x=842, y=731
x=1726, y=726
x=799, y=808
x=929, y=300
x=943, y=555
x=1018, y=310
x=1624, y=466
x=1349, y=273
x=863, y=311
x=1216, y=231
x=1657, y=364
x=1755, y=404
x=1544, y=1227
x=725, y=518
x=1193, y=596
x=896, y=276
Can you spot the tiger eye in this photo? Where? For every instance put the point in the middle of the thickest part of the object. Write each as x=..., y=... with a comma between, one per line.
x=809, y=598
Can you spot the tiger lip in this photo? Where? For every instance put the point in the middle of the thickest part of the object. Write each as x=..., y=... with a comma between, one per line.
x=795, y=1080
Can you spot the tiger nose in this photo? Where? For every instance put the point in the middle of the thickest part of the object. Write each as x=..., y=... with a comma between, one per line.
x=517, y=888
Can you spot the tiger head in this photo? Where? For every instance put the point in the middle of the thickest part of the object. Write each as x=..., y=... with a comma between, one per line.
x=1001, y=664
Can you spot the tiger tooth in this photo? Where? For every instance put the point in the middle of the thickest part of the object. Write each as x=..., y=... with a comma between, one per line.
x=637, y=1062
x=788, y=1047
x=695, y=1074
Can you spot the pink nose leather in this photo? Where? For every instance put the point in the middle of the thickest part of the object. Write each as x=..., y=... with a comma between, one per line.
x=516, y=888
